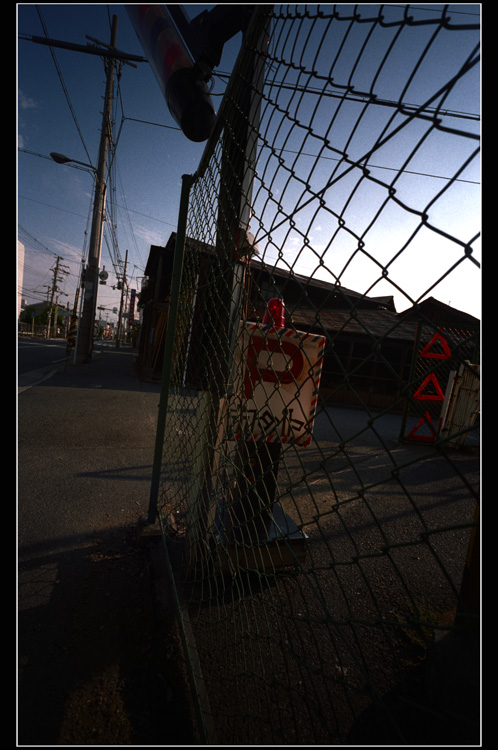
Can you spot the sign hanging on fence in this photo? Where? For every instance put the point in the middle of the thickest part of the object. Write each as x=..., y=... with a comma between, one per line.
x=276, y=389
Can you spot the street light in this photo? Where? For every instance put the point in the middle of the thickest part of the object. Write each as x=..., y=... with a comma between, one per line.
x=61, y=159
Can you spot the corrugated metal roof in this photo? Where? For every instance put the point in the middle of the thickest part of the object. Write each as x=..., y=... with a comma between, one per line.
x=371, y=323
x=277, y=271
x=306, y=281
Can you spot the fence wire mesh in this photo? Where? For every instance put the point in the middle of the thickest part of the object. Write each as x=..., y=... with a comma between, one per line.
x=324, y=559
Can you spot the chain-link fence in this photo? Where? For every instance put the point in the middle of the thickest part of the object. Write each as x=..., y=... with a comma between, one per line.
x=324, y=560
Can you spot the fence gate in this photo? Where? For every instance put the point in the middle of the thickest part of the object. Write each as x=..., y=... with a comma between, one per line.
x=320, y=560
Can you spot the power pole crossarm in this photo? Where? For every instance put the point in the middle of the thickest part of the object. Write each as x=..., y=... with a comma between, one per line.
x=116, y=54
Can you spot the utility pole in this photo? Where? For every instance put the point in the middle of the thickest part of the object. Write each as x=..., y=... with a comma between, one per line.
x=52, y=293
x=84, y=344
x=71, y=337
x=123, y=285
x=84, y=336
x=56, y=312
x=53, y=290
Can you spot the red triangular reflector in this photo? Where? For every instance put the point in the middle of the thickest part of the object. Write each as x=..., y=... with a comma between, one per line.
x=437, y=396
x=425, y=420
x=426, y=351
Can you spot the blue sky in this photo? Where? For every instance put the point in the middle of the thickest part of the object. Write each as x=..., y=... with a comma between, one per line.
x=152, y=154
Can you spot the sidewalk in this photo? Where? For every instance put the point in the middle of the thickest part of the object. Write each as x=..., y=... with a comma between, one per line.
x=91, y=670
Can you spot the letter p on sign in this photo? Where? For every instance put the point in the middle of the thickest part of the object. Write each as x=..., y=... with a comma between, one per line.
x=277, y=384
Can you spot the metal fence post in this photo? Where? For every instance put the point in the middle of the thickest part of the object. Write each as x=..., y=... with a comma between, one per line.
x=240, y=137
x=169, y=344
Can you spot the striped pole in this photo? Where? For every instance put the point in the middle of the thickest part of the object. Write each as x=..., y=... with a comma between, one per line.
x=71, y=338
x=181, y=83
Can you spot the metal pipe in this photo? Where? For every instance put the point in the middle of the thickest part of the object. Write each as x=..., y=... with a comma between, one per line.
x=187, y=181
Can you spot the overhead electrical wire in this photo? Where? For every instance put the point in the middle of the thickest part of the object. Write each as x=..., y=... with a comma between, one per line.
x=66, y=93
x=109, y=231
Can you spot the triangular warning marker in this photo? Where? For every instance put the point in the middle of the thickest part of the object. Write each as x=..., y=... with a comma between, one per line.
x=426, y=351
x=425, y=420
x=437, y=396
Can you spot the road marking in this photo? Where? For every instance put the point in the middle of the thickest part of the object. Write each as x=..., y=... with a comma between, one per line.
x=35, y=377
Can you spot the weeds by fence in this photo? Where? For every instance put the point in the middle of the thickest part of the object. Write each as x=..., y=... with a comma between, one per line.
x=324, y=563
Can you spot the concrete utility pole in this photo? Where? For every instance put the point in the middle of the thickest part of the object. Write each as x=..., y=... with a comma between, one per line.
x=53, y=290
x=123, y=285
x=84, y=344
x=52, y=293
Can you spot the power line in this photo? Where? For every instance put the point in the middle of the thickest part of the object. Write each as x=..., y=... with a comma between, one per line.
x=66, y=94
x=37, y=242
x=363, y=99
x=391, y=169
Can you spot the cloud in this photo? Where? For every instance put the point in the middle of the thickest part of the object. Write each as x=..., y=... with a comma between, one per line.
x=26, y=102
x=149, y=236
x=64, y=249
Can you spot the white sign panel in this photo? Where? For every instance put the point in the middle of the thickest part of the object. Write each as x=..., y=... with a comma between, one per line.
x=276, y=391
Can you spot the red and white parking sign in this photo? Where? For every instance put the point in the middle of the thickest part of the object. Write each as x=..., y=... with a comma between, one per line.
x=276, y=390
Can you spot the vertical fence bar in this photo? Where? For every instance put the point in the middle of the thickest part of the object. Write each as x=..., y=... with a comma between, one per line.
x=169, y=344
x=411, y=377
x=240, y=136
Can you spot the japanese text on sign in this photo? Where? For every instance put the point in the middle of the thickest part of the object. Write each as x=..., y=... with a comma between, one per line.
x=276, y=393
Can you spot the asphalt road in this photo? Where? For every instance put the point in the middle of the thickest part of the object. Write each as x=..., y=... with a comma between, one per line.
x=33, y=354
x=90, y=669
x=85, y=447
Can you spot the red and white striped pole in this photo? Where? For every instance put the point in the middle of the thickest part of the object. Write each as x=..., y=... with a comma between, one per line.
x=182, y=85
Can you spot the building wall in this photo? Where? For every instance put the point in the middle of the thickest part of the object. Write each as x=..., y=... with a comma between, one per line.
x=20, y=276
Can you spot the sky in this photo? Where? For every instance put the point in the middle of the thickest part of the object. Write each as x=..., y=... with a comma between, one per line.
x=53, y=200
x=60, y=109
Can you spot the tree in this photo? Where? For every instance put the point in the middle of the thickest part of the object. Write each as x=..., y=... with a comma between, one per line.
x=40, y=318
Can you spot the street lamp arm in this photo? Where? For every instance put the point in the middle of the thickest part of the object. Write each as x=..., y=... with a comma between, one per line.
x=61, y=159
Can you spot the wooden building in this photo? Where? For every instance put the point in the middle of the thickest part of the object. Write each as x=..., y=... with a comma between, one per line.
x=370, y=347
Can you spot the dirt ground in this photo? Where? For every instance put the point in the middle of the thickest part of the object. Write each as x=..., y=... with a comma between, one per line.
x=104, y=666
